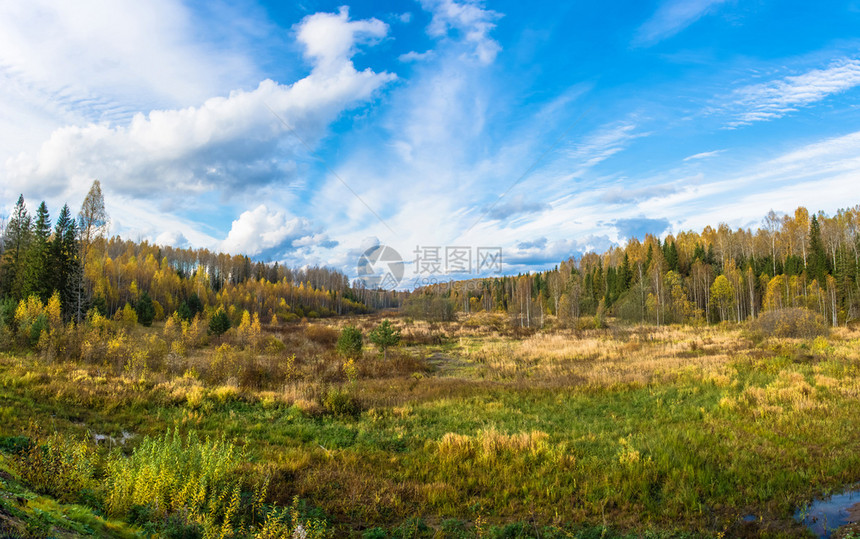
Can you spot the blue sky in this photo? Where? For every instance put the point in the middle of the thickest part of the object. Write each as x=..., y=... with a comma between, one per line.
x=306, y=132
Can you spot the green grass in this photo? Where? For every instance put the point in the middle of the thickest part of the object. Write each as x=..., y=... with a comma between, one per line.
x=687, y=452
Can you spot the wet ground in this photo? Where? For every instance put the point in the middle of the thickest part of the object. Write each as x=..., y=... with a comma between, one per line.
x=824, y=516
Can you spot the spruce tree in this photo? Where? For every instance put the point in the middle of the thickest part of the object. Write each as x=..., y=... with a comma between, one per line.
x=817, y=265
x=16, y=242
x=65, y=273
x=145, y=310
x=34, y=278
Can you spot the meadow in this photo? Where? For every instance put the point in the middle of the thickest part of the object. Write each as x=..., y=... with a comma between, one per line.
x=467, y=428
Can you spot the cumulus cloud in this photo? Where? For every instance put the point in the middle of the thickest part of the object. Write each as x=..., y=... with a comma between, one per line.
x=775, y=99
x=637, y=227
x=330, y=40
x=271, y=234
x=471, y=22
x=172, y=238
x=227, y=142
x=672, y=17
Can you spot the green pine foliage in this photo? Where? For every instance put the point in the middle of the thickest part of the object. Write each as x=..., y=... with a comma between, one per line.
x=350, y=342
x=146, y=310
x=220, y=323
x=384, y=336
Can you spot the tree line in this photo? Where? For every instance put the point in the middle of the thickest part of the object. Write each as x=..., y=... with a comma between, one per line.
x=798, y=260
x=87, y=271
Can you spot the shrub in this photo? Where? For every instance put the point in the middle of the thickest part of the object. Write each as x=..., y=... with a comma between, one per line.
x=339, y=402
x=791, y=322
x=61, y=467
x=429, y=307
x=349, y=344
x=321, y=334
x=170, y=476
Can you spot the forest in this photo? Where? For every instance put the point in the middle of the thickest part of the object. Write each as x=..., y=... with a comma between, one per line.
x=794, y=261
x=72, y=270
x=705, y=384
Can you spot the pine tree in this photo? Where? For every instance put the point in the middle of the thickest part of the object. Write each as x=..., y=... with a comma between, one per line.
x=64, y=262
x=145, y=309
x=34, y=278
x=384, y=336
x=16, y=242
x=817, y=265
x=219, y=323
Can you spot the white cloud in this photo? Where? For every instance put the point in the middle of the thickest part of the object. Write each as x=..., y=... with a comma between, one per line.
x=266, y=233
x=604, y=143
x=103, y=60
x=173, y=238
x=469, y=20
x=413, y=56
x=775, y=99
x=672, y=17
x=703, y=155
x=628, y=195
x=819, y=175
x=228, y=142
x=330, y=39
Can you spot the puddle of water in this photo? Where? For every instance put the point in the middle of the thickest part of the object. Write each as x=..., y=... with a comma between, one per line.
x=825, y=515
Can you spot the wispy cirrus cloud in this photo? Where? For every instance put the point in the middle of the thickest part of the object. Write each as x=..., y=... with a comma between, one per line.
x=703, y=155
x=516, y=206
x=775, y=99
x=468, y=19
x=620, y=195
x=672, y=17
x=604, y=143
x=226, y=143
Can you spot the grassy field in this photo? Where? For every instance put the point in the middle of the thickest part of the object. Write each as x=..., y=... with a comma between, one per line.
x=467, y=429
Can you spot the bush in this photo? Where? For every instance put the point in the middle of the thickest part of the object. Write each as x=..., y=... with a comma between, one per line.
x=173, y=475
x=321, y=334
x=792, y=323
x=428, y=307
x=350, y=343
x=339, y=402
x=60, y=467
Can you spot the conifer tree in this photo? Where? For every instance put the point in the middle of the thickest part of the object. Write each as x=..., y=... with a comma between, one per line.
x=65, y=272
x=16, y=241
x=145, y=309
x=34, y=277
x=817, y=266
